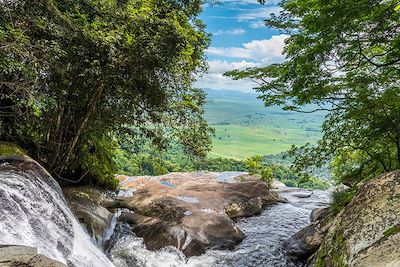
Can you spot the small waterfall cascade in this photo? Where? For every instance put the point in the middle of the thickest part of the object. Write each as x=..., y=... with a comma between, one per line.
x=33, y=212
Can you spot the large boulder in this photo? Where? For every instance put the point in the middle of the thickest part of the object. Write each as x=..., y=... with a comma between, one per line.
x=191, y=211
x=306, y=242
x=319, y=214
x=367, y=232
x=12, y=256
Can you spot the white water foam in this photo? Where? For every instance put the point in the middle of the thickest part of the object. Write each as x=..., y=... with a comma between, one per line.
x=33, y=212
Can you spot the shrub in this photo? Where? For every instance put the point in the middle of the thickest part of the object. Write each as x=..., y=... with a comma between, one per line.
x=340, y=199
x=97, y=162
x=254, y=164
x=8, y=149
x=267, y=175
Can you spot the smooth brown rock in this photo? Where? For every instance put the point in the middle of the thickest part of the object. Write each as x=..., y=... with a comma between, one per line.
x=191, y=211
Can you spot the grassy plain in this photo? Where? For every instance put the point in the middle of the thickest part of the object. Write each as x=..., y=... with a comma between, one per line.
x=245, y=127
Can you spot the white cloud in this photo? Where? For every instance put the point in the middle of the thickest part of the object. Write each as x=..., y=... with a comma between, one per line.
x=216, y=80
x=221, y=66
x=257, y=24
x=230, y=32
x=256, y=53
x=234, y=52
x=260, y=13
x=266, y=51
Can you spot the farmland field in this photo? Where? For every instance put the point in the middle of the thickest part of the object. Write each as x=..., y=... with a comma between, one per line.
x=245, y=127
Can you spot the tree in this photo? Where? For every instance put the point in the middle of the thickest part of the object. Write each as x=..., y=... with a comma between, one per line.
x=77, y=74
x=344, y=57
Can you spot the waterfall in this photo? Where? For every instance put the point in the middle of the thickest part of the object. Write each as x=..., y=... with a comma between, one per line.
x=33, y=212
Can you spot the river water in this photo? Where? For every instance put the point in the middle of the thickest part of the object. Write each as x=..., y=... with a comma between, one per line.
x=263, y=246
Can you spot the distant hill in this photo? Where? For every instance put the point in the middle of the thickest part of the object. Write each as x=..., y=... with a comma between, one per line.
x=245, y=127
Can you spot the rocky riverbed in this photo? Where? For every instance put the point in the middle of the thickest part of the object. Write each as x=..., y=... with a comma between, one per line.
x=231, y=219
x=192, y=211
x=263, y=245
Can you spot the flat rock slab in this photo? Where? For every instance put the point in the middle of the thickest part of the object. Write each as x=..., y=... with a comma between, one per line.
x=192, y=211
x=11, y=256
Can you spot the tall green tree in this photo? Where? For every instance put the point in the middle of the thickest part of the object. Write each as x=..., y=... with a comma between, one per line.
x=76, y=74
x=344, y=57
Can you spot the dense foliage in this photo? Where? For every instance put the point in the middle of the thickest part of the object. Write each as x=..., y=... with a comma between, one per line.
x=76, y=74
x=270, y=170
x=148, y=160
x=344, y=57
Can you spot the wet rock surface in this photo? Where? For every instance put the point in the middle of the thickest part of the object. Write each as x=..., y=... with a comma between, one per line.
x=12, y=256
x=319, y=214
x=192, y=211
x=88, y=205
x=306, y=242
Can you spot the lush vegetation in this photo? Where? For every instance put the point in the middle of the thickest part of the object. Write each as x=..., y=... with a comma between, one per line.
x=150, y=161
x=269, y=171
x=343, y=57
x=78, y=76
x=92, y=87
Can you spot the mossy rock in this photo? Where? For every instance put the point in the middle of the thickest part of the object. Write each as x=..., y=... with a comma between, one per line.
x=334, y=254
x=9, y=149
x=367, y=231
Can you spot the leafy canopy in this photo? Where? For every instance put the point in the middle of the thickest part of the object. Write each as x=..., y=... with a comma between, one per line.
x=77, y=76
x=344, y=57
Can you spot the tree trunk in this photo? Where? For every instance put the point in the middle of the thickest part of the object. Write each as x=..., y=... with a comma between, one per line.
x=56, y=140
x=89, y=111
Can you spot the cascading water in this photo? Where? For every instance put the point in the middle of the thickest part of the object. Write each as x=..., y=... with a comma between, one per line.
x=33, y=212
x=263, y=245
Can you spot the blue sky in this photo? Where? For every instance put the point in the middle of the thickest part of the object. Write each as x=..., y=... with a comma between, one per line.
x=240, y=40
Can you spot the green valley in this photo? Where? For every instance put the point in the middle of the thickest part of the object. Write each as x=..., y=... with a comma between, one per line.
x=245, y=127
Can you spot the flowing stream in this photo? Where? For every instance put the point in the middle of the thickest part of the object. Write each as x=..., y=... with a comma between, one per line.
x=263, y=245
x=33, y=212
